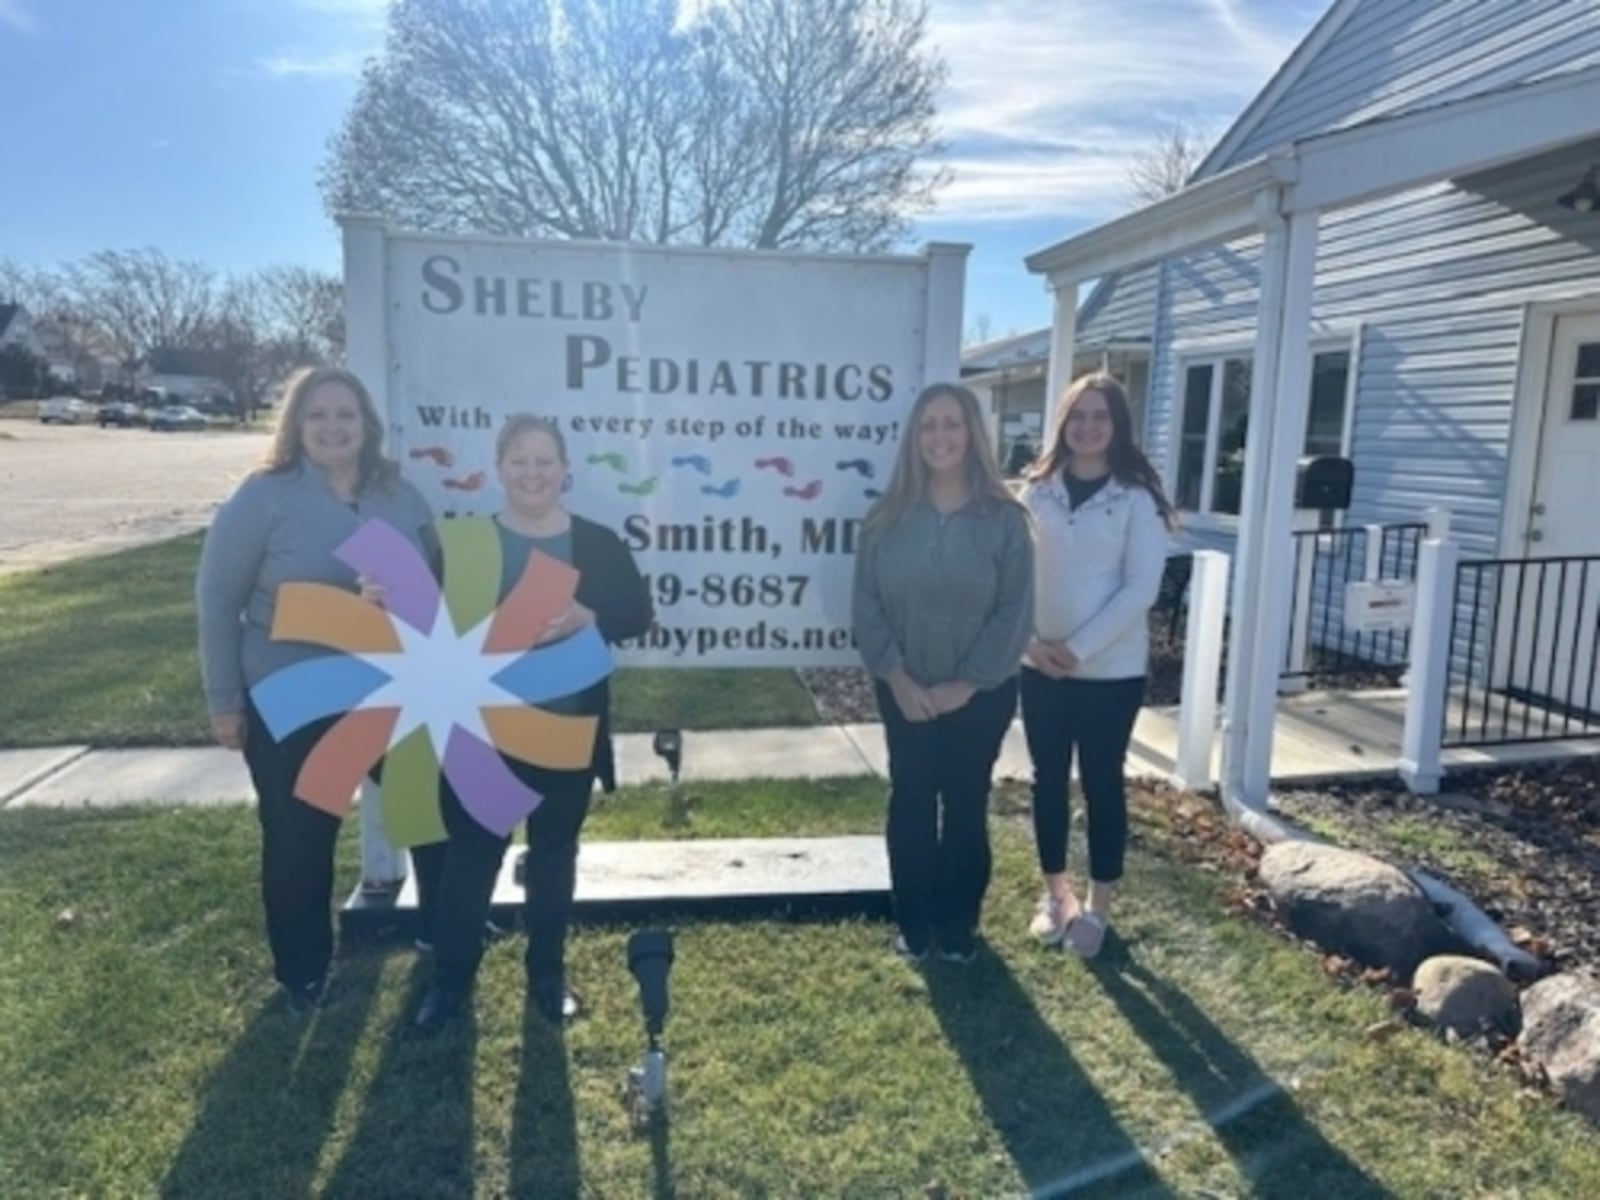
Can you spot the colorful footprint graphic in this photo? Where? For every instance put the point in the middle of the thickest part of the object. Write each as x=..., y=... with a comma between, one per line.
x=440, y=456
x=861, y=466
x=609, y=459
x=643, y=488
x=725, y=490
x=809, y=492
x=695, y=462
x=778, y=463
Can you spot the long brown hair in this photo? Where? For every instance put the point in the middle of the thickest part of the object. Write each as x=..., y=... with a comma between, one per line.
x=909, y=483
x=288, y=451
x=1128, y=463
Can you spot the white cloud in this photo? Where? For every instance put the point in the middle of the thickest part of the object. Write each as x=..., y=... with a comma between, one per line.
x=15, y=14
x=362, y=12
x=338, y=63
x=1046, y=101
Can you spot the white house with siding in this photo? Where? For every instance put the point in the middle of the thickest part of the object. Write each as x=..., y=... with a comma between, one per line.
x=1401, y=233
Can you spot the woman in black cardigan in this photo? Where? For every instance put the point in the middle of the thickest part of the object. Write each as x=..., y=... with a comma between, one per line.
x=456, y=878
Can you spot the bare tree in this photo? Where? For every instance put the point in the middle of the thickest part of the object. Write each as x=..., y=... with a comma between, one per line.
x=770, y=123
x=1167, y=163
x=35, y=288
x=300, y=312
x=141, y=300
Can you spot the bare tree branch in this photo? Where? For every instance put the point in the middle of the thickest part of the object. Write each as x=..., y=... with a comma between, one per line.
x=764, y=122
x=1167, y=163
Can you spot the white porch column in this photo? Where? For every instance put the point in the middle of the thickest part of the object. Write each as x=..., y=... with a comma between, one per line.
x=1247, y=574
x=1429, y=683
x=1063, y=342
x=1268, y=526
x=383, y=867
x=1202, y=663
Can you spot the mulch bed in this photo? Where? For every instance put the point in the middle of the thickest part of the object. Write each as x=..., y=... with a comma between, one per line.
x=1536, y=831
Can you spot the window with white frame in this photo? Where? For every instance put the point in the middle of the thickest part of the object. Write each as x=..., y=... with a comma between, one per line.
x=1214, y=416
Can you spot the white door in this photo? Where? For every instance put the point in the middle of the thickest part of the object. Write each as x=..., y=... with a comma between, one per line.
x=1555, y=596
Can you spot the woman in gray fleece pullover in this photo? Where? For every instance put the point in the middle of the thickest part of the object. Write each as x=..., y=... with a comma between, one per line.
x=325, y=475
x=943, y=606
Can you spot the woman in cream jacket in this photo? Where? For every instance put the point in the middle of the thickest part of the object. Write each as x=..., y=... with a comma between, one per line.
x=1100, y=527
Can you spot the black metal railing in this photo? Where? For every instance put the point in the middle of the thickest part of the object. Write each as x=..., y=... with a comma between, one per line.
x=1524, y=652
x=1332, y=653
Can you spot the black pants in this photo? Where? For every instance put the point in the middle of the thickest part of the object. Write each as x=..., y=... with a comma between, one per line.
x=1096, y=716
x=297, y=845
x=940, y=772
x=456, y=877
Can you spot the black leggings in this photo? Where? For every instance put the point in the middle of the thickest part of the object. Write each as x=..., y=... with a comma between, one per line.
x=456, y=877
x=297, y=846
x=1096, y=716
x=938, y=833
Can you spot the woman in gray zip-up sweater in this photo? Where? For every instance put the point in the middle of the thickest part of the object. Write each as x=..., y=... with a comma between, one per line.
x=943, y=606
x=325, y=474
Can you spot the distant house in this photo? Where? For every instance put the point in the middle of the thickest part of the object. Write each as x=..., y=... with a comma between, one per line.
x=1393, y=256
x=1009, y=375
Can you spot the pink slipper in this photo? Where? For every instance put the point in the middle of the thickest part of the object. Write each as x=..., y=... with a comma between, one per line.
x=1086, y=933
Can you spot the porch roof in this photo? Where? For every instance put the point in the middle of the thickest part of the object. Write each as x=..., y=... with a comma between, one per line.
x=1338, y=169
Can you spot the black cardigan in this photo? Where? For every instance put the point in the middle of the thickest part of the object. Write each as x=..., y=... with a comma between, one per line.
x=609, y=583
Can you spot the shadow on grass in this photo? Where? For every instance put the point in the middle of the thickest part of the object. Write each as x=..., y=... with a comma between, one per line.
x=544, y=1127
x=415, y=1136
x=1274, y=1146
x=265, y=1112
x=1057, y=1129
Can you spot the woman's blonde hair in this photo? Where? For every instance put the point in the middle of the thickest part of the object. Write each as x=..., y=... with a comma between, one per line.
x=1128, y=463
x=909, y=483
x=288, y=451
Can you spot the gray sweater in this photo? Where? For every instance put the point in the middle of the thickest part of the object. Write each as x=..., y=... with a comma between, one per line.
x=273, y=530
x=947, y=597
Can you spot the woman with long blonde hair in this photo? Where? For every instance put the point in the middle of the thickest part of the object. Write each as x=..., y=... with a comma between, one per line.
x=323, y=476
x=942, y=610
x=1100, y=525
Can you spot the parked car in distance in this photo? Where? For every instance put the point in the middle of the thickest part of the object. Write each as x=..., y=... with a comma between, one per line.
x=121, y=414
x=63, y=410
x=177, y=416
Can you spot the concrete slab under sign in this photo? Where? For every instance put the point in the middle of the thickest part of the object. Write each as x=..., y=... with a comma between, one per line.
x=713, y=877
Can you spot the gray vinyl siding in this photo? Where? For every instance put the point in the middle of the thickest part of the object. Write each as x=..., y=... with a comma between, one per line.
x=1437, y=282
x=1393, y=56
x=1122, y=311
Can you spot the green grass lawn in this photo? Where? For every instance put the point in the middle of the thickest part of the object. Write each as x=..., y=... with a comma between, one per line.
x=102, y=651
x=1203, y=1055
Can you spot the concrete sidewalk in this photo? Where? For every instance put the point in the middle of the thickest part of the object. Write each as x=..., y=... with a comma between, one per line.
x=79, y=776
x=1318, y=736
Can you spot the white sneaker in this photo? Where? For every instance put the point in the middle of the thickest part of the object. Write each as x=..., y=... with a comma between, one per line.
x=1049, y=924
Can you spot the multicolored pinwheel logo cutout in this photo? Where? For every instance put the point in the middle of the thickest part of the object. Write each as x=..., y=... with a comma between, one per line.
x=434, y=682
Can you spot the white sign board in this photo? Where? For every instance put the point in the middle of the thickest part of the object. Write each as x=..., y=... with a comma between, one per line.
x=1380, y=606
x=730, y=415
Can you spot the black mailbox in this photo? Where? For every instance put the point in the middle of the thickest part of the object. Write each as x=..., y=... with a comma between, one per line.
x=1324, y=482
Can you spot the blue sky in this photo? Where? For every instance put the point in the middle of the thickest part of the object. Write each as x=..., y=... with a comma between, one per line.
x=198, y=126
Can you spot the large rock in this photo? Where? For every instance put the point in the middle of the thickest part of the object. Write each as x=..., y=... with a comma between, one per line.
x=1353, y=904
x=1465, y=994
x=1561, y=1033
